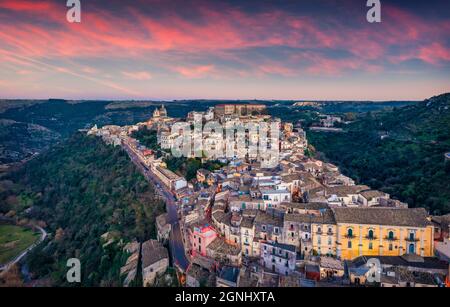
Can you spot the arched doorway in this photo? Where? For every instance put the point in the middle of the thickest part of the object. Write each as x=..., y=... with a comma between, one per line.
x=411, y=249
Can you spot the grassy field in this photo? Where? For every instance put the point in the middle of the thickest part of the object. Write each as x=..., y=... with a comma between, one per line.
x=14, y=240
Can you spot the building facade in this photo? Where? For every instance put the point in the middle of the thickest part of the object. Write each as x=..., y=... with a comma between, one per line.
x=383, y=232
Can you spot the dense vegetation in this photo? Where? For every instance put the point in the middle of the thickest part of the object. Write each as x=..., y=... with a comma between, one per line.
x=188, y=167
x=400, y=152
x=82, y=189
x=149, y=138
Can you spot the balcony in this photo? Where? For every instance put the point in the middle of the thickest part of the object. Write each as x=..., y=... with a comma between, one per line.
x=347, y=236
x=370, y=237
x=413, y=239
x=391, y=238
x=330, y=233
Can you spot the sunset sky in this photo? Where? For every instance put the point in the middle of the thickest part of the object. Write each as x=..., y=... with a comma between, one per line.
x=236, y=49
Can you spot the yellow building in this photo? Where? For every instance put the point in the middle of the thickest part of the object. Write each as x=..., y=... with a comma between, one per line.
x=382, y=232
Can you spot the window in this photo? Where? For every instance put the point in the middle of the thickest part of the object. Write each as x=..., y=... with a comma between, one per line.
x=292, y=234
x=390, y=246
x=264, y=227
x=318, y=241
x=391, y=235
x=411, y=236
x=349, y=244
x=370, y=234
x=199, y=240
x=319, y=230
x=276, y=229
x=350, y=232
x=330, y=230
x=329, y=241
x=370, y=245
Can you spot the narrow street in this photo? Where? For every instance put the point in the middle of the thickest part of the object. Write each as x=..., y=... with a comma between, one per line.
x=179, y=258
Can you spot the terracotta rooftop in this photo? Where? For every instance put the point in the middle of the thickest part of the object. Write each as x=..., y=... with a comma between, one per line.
x=152, y=252
x=416, y=217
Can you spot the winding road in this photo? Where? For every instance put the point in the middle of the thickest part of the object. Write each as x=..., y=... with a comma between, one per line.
x=8, y=265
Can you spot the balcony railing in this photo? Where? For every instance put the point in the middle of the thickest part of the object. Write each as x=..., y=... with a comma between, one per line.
x=347, y=236
x=391, y=238
x=370, y=237
x=409, y=239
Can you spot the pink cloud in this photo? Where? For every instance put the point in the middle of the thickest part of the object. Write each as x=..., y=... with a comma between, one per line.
x=218, y=33
x=24, y=72
x=194, y=71
x=434, y=53
x=24, y=5
x=137, y=75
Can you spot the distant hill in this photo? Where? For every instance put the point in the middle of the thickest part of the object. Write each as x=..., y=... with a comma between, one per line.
x=19, y=140
x=400, y=151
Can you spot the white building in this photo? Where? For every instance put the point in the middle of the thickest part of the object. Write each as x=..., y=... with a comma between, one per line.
x=277, y=257
x=272, y=197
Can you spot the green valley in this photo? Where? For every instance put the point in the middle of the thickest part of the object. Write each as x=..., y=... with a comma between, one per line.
x=83, y=189
x=399, y=151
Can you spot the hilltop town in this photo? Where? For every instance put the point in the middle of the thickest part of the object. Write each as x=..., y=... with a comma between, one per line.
x=300, y=223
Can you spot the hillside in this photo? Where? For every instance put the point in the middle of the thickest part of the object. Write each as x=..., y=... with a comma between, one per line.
x=400, y=152
x=82, y=189
x=19, y=140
